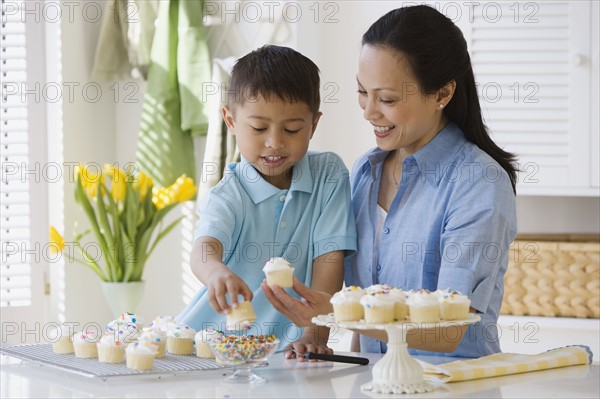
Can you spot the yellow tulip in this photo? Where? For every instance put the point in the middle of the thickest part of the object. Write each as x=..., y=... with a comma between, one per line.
x=161, y=197
x=57, y=242
x=183, y=189
x=143, y=184
x=118, y=178
x=89, y=180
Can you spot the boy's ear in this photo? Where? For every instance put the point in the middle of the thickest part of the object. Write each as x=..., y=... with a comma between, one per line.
x=228, y=118
x=315, y=123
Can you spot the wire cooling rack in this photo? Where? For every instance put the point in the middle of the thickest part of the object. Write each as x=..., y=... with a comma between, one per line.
x=44, y=355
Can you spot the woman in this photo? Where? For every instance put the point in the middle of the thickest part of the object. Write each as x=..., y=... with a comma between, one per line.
x=435, y=200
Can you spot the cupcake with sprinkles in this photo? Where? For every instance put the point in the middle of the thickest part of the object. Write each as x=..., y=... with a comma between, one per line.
x=453, y=305
x=245, y=349
x=424, y=307
x=163, y=323
x=140, y=356
x=346, y=304
x=156, y=337
x=180, y=340
x=110, y=349
x=84, y=344
x=127, y=327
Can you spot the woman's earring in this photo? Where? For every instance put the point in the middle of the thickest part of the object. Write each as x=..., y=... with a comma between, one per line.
x=441, y=105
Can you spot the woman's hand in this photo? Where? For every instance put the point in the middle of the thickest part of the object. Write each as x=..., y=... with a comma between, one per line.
x=313, y=340
x=301, y=312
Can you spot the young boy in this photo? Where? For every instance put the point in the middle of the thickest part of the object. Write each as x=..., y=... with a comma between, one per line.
x=279, y=201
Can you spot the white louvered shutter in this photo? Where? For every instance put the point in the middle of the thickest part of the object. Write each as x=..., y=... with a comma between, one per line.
x=532, y=65
x=22, y=196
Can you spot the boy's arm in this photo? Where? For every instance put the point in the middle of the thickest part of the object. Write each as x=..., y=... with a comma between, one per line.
x=207, y=266
x=327, y=276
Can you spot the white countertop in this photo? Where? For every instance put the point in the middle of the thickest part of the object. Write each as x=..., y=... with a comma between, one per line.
x=287, y=378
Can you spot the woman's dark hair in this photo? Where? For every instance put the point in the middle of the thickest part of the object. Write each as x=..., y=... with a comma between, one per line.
x=275, y=70
x=436, y=50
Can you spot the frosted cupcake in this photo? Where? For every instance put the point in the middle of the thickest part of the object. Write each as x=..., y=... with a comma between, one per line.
x=128, y=326
x=140, y=356
x=400, y=306
x=241, y=317
x=180, y=340
x=279, y=272
x=346, y=304
x=154, y=336
x=201, y=340
x=84, y=344
x=163, y=323
x=379, y=307
x=64, y=342
x=110, y=349
x=377, y=289
x=424, y=307
x=453, y=305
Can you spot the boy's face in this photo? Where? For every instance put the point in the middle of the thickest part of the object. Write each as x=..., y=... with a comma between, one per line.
x=272, y=134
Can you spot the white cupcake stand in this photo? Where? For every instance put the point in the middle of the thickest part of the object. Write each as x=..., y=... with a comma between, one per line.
x=397, y=371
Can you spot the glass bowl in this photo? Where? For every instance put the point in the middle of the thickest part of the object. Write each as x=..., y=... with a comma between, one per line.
x=243, y=353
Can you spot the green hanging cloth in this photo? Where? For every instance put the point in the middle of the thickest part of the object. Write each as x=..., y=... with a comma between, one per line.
x=174, y=110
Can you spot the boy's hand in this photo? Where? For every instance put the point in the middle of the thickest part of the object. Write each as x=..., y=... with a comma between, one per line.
x=223, y=281
x=311, y=341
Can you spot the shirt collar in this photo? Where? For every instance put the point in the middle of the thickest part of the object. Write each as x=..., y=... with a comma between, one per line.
x=259, y=189
x=433, y=158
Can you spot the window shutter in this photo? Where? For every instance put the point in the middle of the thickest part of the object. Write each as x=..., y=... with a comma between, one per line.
x=15, y=269
x=531, y=63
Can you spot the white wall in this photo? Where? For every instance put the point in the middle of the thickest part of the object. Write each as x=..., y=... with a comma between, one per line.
x=106, y=131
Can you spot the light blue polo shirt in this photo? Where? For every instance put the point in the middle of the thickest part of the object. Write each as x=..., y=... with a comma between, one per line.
x=450, y=225
x=255, y=221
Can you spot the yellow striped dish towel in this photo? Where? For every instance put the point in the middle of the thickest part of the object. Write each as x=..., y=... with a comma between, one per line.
x=506, y=363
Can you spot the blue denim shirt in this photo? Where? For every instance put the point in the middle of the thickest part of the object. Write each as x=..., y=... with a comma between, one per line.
x=450, y=225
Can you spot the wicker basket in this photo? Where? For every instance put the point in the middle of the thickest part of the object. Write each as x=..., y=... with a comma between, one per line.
x=553, y=276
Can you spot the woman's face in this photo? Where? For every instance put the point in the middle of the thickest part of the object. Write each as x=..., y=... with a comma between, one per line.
x=401, y=115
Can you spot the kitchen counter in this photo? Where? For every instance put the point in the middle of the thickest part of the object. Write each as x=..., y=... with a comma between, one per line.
x=287, y=378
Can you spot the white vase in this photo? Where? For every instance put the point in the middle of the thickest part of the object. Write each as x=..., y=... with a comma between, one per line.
x=123, y=297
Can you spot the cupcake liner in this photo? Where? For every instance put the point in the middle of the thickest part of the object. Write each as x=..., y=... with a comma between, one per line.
x=281, y=278
x=140, y=362
x=180, y=346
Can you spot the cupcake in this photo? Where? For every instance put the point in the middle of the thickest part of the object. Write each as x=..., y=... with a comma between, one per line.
x=128, y=326
x=180, y=340
x=279, y=272
x=64, y=343
x=377, y=289
x=154, y=336
x=346, y=304
x=110, y=348
x=242, y=317
x=453, y=305
x=140, y=356
x=84, y=344
x=163, y=323
x=201, y=340
x=424, y=307
x=378, y=307
x=400, y=306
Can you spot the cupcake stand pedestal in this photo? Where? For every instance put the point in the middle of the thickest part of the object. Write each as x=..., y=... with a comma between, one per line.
x=397, y=372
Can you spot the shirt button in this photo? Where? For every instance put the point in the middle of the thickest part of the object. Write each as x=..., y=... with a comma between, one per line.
x=282, y=198
x=386, y=230
x=283, y=224
x=378, y=268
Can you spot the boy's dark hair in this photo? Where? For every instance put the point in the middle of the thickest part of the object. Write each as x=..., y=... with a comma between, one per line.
x=275, y=70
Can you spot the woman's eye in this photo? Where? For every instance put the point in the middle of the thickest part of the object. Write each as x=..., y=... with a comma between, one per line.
x=384, y=101
x=292, y=131
x=360, y=91
x=258, y=129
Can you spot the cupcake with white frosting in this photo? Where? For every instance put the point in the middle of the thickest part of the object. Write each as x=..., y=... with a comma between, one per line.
x=201, y=341
x=453, y=305
x=346, y=304
x=163, y=323
x=64, y=341
x=378, y=307
x=128, y=327
x=180, y=340
x=424, y=307
x=154, y=336
x=84, y=344
x=110, y=348
x=279, y=272
x=140, y=356
x=400, y=306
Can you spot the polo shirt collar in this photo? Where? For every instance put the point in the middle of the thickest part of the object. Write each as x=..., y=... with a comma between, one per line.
x=259, y=189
